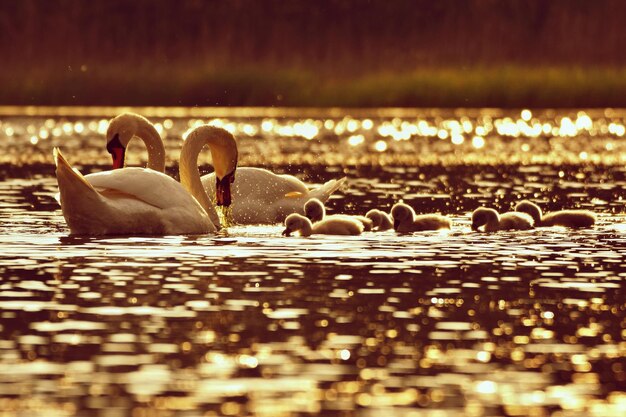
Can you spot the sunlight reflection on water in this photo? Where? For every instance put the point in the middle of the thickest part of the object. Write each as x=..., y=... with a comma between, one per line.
x=336, y=136
x=247, y=322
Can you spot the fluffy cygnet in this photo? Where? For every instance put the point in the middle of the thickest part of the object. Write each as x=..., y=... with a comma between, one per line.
x=405, y=220
x=380, y=220
x=507, y=221
x=343, y=225
x=315, y=211
x=567, y=218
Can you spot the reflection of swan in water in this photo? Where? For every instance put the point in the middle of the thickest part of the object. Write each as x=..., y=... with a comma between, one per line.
x=330, y=226
x=315, y=211
x=259, y=195
x=507, y=221
x=567, y=218
x=144, y=201
x=405, y=220
x=380, y=220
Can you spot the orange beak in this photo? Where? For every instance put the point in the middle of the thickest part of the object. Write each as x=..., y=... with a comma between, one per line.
x=222, y=189
x=117, y=151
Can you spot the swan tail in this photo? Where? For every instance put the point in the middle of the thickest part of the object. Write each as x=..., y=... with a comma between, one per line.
x=80, y=201
x=324, y=192
x=70, y=177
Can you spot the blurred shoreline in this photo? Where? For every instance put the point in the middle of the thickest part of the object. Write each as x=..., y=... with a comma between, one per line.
x=243, y=112
x=504, y=87
x=329, y=53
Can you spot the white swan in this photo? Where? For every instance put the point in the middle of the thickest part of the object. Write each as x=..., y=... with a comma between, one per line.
x=262, y=197
x=507, y=221
x=143, y=201
x=381, y=221
x=330, y=226
x=405, y=220
x=567, y=218
x=259, y=195
x=315, y=211
x=127, y=126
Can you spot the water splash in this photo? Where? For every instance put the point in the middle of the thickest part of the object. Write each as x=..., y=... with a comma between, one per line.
x=226, y=216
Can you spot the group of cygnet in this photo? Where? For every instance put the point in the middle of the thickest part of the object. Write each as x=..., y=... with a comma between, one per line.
x=528, y=215
x=403, y=219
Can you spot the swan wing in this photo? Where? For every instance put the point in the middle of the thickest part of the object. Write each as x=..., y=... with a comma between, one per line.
x=111, y=207
x=258, y=184
x=262, y=197
x=151, y=187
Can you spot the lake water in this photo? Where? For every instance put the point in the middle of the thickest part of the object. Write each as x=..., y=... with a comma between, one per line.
x=250, y=323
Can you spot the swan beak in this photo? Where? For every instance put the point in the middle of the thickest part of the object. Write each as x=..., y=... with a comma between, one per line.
x=117, y=151
x=222, y=189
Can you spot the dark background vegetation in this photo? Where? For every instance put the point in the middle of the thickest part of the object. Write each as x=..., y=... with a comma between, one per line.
x=320, y=53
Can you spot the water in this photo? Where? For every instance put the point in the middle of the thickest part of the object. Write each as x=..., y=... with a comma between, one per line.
x=250, y=323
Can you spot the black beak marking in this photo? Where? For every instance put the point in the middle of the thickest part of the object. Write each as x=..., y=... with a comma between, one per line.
x=117, y=151
x=222, y=189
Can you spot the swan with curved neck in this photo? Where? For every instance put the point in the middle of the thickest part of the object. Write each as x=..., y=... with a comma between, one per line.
x=126, y=126
x=259, y=195
x=222, y=143
x=143, y=201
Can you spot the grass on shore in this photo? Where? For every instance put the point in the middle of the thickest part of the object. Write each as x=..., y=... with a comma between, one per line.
x=504, y=86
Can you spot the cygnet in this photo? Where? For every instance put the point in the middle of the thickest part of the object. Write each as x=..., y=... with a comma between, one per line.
x=507, y=221
x=381, y=221
x=566, y=218
x=330, y=226
x=405, y=220
x=315, y=211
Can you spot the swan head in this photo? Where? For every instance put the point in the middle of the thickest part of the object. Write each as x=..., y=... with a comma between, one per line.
x=225, y=164
x=297, y=223
x=530, y=208
x=222, y=188
x=481, y=216
x=401, y=214
x=314, y=210
x=224, y=153
x=121, y=130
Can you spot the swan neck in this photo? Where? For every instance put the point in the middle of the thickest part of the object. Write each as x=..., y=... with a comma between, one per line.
x=190, y=175
x=154, y=144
